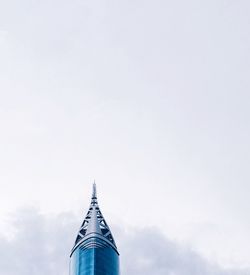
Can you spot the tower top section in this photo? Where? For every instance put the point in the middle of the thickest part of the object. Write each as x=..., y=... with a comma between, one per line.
x=94, y=225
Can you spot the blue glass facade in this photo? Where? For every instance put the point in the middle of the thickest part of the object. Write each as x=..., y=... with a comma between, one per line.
x=94, y=257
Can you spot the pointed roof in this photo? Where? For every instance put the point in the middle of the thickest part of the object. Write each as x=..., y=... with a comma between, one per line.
x=94, y=225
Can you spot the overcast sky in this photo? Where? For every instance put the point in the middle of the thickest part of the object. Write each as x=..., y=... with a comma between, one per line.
x=150, y=99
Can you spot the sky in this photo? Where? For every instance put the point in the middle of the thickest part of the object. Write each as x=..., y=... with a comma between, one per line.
x=148, y=98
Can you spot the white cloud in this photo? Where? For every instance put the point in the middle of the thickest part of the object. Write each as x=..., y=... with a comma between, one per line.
x=41, y=245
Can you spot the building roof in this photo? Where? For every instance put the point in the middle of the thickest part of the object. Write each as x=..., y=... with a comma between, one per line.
x=94, y=225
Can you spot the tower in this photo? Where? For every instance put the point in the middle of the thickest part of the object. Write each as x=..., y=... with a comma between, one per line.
x=94, y=251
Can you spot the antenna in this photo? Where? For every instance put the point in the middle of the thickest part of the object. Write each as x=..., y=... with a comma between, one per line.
x=94, y=191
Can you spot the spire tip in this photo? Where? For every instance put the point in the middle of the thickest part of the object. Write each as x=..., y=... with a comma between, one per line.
x=94, y=190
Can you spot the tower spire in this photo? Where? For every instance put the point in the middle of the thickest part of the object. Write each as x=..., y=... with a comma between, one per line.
x=94, y=225
x=94, y=251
